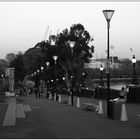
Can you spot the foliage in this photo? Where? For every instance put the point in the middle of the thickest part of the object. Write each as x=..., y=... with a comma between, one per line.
x=10, y=57
x=18, y=64
x=69, y=63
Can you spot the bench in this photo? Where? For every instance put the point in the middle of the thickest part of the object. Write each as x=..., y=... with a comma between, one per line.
x=91, y=106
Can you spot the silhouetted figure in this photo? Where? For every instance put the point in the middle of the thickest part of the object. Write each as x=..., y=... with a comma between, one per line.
x=123, y=93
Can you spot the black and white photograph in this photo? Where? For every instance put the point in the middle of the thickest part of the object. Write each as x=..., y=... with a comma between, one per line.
x=69, y=69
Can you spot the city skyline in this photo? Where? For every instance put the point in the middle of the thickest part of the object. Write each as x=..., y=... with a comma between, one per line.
x=23, y=25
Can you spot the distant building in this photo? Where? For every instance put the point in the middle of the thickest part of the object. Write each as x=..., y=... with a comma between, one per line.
x=96, y=63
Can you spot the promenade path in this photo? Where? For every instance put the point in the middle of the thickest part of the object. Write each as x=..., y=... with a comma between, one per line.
x=50, y=119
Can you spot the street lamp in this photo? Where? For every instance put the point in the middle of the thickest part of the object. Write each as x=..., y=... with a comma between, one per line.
x=38, y=71
x=55, y=59
x=63, y=78
x=37, y=80
x=72, y=44
x=108, y=15
x=52, y=83
x=47, y=64
x=47, y=82
x=134, y=80
x=101, y=70
x=42, y=69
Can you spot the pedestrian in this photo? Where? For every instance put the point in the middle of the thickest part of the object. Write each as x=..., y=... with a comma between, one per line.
x=123, y=94
x=78, y=91
x=40, y=90
x=36, y=90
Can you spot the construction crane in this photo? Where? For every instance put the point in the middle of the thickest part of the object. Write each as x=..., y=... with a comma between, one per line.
x=46, y=33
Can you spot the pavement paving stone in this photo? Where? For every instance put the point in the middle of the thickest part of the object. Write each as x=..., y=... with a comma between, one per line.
x=10, y=116
x=50, y=119
x=3, y=109
x=20, y=111
x=27, y=108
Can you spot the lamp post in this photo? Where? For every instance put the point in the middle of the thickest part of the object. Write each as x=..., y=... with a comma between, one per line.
x=72, y=44
x=47, y=80
x=42, y=68
x=47, y=64
x=134, y=79
x=108, y=15
x=55, y=59
x=63, y=82
x=37, y=81
x=101, y=70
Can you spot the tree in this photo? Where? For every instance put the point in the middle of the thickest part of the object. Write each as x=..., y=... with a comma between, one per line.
x=18, y=64
x=9, y=58
x=72, y=62
x=68, y=62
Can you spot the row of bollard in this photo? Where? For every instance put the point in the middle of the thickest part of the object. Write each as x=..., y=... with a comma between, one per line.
x=123, y=115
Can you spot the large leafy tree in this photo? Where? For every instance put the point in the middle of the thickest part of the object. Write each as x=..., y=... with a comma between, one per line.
x=69, y=63
x=72, y=63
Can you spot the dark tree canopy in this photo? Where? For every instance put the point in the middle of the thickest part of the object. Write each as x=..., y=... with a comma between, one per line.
x=59, y=45
x=18, y=64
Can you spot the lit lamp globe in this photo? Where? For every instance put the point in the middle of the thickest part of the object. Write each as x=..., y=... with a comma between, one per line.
x=42, y=68
x=47, y=63
x=55, y=58
x=71, y=44
x=63, y=78
x=134, y=59
x=101, y=68
x=38, y=71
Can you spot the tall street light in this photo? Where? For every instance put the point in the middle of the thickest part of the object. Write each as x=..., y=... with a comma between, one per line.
x=72, y=44
x=38, y=78
x=47, y=82
x=101, y=70
x=42, y=68
x=55, y=59
x=108, y=15
x=134, y=80
x=47, y=64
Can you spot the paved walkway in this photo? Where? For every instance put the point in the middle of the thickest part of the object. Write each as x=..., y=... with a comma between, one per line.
x=10, y=116
x=50, y=119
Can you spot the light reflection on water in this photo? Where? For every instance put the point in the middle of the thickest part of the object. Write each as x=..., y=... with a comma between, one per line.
x=118, y=85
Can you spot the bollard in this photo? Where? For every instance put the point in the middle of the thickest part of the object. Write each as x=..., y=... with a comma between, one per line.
x=100, y=109
x=78, y=102
x=123, y=113
x=59, y=100
x=50, y=97
x=69, y=100
x=54, y=96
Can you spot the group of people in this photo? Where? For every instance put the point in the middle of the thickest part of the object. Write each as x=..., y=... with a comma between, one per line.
x=41, y=90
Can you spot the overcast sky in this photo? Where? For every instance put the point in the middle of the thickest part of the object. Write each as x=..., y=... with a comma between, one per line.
x=23, y=24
